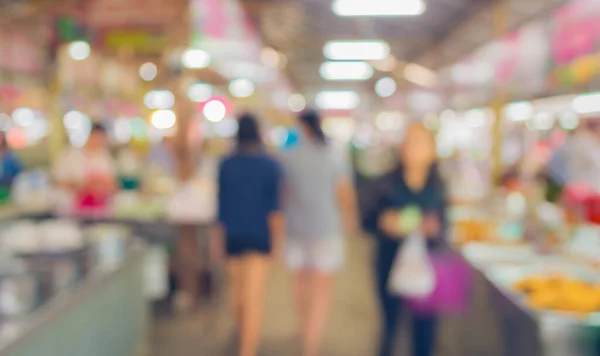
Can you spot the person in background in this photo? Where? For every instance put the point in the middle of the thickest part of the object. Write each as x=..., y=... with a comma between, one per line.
x=320, y=200
x=10, y=167
x=250, y=227
x=89, y=173
x=415, y=185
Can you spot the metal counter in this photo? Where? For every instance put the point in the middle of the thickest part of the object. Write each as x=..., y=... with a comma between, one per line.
x=107, y=314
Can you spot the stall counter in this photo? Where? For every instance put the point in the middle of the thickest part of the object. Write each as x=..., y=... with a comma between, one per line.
x=107, y=314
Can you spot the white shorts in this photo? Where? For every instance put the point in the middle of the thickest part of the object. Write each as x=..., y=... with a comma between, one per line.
x=322, y=255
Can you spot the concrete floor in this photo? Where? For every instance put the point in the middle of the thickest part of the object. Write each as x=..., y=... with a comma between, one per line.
x=352, y=330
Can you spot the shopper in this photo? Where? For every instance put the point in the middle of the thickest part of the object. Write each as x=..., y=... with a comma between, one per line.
x=251, y=226
x=89, y=173
x=10, y=166
x=414, y=184
x=319, y=198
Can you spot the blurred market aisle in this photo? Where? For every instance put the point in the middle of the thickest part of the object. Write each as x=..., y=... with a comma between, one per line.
x=352, y=330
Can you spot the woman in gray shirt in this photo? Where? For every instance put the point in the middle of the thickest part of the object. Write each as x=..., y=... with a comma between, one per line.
x=319, y=203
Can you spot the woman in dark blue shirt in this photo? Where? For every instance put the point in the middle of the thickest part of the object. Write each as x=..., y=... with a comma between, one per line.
x=250, y=227
x=413, y=194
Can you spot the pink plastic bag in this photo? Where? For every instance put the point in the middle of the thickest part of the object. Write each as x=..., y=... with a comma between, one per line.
x=452, y=290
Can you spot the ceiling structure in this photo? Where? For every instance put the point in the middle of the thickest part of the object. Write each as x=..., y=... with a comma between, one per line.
x=448, y=31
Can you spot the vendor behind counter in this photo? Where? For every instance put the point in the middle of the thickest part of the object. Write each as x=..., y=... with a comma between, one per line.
x=88, y=174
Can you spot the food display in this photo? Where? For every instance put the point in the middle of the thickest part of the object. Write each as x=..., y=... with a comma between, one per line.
x=560, y=293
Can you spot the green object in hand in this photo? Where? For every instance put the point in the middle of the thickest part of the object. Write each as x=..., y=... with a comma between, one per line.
x=410, y=219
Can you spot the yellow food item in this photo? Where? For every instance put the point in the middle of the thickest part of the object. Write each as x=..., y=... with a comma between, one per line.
x=560, y=293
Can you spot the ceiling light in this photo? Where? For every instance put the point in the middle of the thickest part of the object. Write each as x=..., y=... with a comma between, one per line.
x=346, y=71
x=23, y=117
x=387, y=64
x=587, y=103
x=296, y=102
x=378, y=7
x=340, y=100
x=568, y=120
x=79, y=50
x=241, y=88
x=420, y=75
x=385, y=87
x=214, y=110
x=519, y=111
x=270, y=57
x=199, y=92
x=195, y=59
x=73, y=120
x=356, y=50
x=159, y=99
x=148, y=71
x=163, y=119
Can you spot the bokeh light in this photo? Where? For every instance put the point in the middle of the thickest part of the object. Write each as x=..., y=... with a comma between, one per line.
x=385, y=87
x=199, y=92
x=23, y=117
x=214, y=110
x=79, y=50
x=296, y=102
x=148, y=71
x=163, y=119
x=241, y=88
x=195, y=59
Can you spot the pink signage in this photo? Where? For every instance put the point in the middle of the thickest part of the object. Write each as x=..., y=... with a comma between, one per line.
x=576, y=30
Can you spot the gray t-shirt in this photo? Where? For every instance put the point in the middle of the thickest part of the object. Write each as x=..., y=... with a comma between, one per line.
x=312, y=173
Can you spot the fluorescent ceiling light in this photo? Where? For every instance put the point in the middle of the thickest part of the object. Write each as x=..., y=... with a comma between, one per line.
x=340, y=100
x=356, y=50
x=378, y=7
x=420, y=75
x=587, y=103
x=346, y=71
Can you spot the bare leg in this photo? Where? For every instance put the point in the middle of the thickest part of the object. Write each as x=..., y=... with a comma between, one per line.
x=255, y=268
x=318, y=312
x=302, y=293
x=236, y=285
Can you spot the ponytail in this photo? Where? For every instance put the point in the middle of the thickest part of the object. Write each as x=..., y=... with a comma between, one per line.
x=312, y=120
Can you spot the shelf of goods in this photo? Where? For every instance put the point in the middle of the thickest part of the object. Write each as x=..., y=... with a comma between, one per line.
x=546, y=297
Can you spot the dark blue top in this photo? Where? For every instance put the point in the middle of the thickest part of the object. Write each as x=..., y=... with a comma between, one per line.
x=10, y=167
x=249, y=190
x=392, y=192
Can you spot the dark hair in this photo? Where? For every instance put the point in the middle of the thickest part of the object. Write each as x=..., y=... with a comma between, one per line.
x=248, y=131
x=312, y=120
x=98, y=128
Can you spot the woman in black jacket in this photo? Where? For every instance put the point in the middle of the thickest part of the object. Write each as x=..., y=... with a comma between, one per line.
x=414, y=186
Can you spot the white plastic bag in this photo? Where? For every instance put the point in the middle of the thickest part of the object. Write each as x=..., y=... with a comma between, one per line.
x=412, y=274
